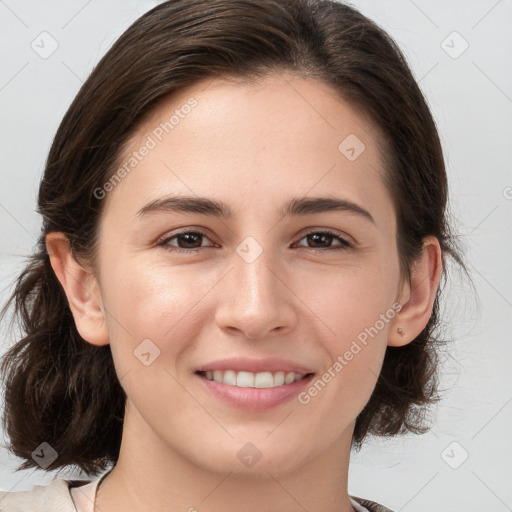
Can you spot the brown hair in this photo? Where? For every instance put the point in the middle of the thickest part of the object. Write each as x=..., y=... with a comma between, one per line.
x=63, y=390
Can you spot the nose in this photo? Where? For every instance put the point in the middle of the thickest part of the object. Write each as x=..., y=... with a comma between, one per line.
x=256, y=300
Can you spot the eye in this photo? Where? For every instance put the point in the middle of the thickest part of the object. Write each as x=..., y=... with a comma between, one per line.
x=324, y=239
x=187, y=241
x=192, y=241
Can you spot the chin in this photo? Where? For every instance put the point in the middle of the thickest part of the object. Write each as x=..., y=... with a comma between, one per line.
x=255, y=460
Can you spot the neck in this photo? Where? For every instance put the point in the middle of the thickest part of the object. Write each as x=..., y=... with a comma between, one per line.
x=151, y=475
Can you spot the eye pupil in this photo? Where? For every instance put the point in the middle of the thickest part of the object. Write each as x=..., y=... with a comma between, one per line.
x=190, y=239
x=319, y=237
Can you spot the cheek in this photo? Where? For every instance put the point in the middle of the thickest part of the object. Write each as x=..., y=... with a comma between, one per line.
x=153, y=303
x=357, y=307
x=153, y=321
x=351, y=300
x=145, y=293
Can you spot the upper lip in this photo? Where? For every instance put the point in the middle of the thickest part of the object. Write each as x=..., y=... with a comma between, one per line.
x=268, y=364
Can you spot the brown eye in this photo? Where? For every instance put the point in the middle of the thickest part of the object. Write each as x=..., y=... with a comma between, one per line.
x=187, y=241
x=324, y=240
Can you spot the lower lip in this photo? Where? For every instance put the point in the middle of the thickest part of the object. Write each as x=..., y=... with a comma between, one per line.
x=254, y=399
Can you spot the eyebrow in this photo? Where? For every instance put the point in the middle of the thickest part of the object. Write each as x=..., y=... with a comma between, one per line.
x=297, y=206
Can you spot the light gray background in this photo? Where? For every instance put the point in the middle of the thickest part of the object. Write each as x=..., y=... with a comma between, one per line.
x=471, y=99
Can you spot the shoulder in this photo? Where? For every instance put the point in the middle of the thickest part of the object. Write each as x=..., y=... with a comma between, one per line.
x=54, y=496
x=368, y=505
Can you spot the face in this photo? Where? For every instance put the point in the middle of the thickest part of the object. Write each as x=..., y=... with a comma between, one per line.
x=266, y=274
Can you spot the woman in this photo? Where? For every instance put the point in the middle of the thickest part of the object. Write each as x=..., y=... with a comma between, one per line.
x=238, y=279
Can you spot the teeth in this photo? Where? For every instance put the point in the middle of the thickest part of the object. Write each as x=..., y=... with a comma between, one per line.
x=290, y=377
x=243, y=380
x=253, y=380
x=229, y=377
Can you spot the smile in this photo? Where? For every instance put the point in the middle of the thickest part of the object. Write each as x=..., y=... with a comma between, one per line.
x=253, y=391
x=243, y=379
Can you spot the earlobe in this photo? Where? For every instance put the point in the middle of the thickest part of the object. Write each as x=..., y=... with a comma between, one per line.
x=81, y=289
x=418, y=295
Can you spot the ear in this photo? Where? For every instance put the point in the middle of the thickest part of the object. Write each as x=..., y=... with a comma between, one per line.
x=81, y=289
x=417, y=296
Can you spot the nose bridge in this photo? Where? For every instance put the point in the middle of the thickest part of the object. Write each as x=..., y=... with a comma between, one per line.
x=256, y=283
x=255, y=300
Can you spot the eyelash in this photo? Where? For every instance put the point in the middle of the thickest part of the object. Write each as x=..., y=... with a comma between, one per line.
x=345, y=244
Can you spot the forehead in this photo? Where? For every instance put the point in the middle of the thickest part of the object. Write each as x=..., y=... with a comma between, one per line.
x=278, y=135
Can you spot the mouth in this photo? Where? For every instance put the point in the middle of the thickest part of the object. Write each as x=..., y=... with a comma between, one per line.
x=253, y=391
x=260, y=380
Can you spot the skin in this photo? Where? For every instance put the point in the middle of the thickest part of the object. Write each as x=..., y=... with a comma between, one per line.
x=253, y=146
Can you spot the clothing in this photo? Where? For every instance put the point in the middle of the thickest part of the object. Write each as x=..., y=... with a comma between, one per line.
x=367, y=505
x=59, y=495
x=62, y=495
